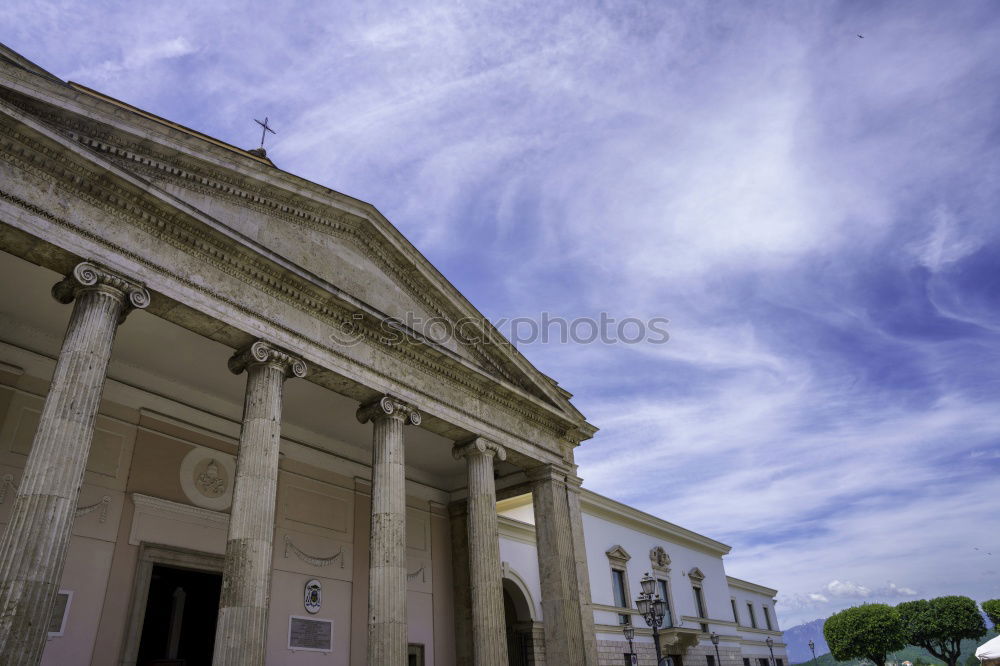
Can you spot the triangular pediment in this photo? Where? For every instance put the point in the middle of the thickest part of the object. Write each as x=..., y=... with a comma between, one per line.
x=618, y=553
x=345, y=242
x=696, y=574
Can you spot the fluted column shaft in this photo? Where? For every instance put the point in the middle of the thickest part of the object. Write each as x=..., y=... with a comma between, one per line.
x=241, y=632
x=34, y=545
x=489, y=638
x=562, y=568
x=387, y=639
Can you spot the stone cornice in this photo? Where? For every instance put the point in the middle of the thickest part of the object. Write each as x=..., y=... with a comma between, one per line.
x=291, y=198
x=173, y=222
x=554, y=473
x=261, y=352
x=751, y=587
x=516, y=530
x=180, y=512
x=602, y=507
x=757, y=630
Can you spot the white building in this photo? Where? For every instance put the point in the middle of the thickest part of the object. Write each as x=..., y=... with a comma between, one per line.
x=623, y=545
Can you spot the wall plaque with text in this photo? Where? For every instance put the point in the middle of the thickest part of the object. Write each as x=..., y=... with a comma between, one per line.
x=310, y=633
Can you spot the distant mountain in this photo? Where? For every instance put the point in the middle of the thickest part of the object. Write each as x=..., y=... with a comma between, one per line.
x=797, y=639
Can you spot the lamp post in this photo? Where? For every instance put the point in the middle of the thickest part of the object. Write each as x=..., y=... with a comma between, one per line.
x=715, y=642
x=812, y=646
x=652, y=608
x=629, y=632
x=770, y=646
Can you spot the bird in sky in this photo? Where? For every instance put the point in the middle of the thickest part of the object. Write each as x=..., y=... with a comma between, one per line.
x=860, y=36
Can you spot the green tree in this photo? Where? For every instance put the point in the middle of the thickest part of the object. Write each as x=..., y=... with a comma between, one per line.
x=869, y=631
x=992, y=610
x=939, y=625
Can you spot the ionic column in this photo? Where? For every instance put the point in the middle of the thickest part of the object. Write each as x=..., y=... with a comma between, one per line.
x=241, y=632
x=562, y=568
x=387, y=645
x=489, y=638
x=33, y=549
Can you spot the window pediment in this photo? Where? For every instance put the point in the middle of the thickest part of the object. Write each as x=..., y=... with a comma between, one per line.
x=696, y=575
x=618, y=555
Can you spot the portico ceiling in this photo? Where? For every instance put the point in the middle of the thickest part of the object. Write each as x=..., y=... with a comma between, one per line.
x=160, y=357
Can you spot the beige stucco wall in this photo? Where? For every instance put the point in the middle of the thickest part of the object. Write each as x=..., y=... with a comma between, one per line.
x=319, y=512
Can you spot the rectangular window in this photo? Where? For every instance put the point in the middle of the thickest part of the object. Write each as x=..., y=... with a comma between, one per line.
x=618, y=588
x=736, y=615
x=661, y=589
x=699, y=601
x=763, y=661
x=746, y=661
x=778, y=661
x=767, y=618
x=753, y=617
x=711, y=659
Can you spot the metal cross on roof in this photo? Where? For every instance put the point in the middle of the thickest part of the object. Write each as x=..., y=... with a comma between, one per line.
x=263, y=132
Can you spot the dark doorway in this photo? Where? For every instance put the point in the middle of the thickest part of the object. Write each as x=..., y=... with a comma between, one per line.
x=517, y=617
x=181, y=611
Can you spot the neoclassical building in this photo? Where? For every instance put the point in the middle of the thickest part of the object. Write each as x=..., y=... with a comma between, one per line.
x=244, y=421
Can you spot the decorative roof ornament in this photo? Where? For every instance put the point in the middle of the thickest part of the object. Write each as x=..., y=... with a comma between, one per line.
x=265, y=128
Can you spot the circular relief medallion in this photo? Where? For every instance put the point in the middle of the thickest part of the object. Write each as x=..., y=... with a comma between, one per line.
x=207, y=478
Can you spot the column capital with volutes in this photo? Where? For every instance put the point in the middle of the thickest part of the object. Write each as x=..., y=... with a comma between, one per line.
x=388, y=407
x=88, y=275
x=478, y=446
x=264, y=353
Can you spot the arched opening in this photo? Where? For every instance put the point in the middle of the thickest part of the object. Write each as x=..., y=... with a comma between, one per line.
x=518, y=620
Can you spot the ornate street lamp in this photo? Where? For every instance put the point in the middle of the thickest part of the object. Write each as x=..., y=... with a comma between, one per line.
x=629, y=632
x=653, y=609
x=715, y=642
x=770, y=646
x=812, y=646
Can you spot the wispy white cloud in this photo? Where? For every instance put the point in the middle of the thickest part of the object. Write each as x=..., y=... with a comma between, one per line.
x=136, y=58
x=837, y=588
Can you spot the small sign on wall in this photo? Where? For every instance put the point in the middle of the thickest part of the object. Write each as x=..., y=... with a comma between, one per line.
x=310, y=633
x=60, y=613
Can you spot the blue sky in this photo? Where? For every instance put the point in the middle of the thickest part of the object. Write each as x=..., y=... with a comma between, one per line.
x=815, y=213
